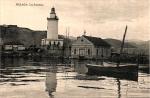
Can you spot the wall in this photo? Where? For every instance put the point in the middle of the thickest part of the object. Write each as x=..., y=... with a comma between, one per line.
x=98, y=52
x=52, y=29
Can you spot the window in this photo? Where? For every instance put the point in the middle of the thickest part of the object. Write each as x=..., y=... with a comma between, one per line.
x=88, y=51
x=74, y=51
x=54, y=43
x=96, y=51
x=49, y=43
x=102, y=54
x=58, y=44
x=48, y=47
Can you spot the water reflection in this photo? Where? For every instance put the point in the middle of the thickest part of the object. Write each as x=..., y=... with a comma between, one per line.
x=64, y=81
x=9, y=62
x=51, y=81
x=119, y=88
x=80, y=67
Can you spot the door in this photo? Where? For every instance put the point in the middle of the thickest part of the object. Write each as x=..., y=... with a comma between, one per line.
x=81, y=52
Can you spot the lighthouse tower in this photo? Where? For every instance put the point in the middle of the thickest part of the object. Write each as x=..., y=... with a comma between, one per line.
x=52, y=42
x=52, y=25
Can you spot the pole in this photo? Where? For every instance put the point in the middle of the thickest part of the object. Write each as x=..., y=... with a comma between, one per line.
x=122, y=45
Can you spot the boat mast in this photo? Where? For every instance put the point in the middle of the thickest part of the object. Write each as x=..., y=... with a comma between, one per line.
x=121, y=49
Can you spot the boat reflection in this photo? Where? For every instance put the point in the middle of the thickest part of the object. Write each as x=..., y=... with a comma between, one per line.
x=51, y=81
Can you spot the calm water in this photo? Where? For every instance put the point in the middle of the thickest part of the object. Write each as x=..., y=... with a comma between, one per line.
x=34, y=78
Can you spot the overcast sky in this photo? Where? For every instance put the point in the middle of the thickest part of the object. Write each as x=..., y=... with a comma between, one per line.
x=101, y=18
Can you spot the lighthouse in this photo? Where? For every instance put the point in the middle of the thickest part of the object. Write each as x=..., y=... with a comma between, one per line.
x=52, y=25
x=52, y=42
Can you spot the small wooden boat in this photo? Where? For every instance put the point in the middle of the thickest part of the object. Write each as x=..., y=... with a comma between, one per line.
x=127, y=71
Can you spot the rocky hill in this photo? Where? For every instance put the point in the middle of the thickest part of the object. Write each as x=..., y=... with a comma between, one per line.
x=12, y=33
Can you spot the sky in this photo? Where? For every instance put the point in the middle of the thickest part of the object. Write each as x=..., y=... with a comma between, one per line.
x=100, y=18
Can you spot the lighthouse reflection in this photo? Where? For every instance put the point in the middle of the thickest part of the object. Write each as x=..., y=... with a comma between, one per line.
x=51, y=81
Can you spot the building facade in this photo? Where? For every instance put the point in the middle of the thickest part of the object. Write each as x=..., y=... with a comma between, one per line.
x=90, y=47
x=13, y=46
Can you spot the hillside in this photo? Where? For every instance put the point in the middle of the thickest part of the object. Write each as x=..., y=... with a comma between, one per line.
x=28, y=37
x=117, y=43
x=140, y=44
x=31, y=37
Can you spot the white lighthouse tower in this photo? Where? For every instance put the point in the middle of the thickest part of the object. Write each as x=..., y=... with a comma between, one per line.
x=52, y=25
x=52, y=41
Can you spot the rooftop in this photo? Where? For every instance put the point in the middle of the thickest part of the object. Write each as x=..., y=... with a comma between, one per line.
x=97, y=41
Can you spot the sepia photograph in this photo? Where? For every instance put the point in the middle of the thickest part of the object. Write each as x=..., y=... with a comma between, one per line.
x=74, y=48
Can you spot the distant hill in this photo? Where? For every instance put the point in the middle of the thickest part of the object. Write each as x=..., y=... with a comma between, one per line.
x=134, y=40
x=140, y=44
x=26, y=36
x=117, y=43
x=29, y=37
x=145, y=44
x=12, y=33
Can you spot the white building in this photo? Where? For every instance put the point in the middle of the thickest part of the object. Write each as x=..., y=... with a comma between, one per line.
x=89, y=47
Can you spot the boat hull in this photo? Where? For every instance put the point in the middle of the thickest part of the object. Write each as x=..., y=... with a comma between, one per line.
x=123, y=72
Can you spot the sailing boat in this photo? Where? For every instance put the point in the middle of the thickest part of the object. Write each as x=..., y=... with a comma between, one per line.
x=117, y=70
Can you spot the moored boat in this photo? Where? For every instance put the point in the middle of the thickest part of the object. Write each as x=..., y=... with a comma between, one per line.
x=128, y=71
x=117, y=70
